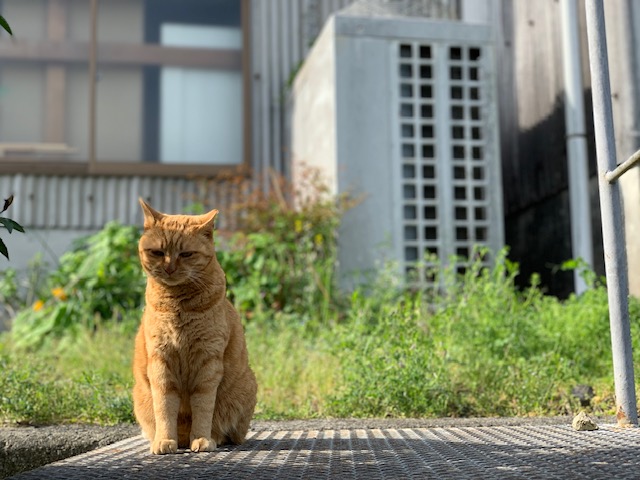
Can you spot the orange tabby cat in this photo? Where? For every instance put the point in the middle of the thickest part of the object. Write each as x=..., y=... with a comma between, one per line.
x=193, y=385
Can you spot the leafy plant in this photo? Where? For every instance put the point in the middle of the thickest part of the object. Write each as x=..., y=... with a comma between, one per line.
x=479, y=347
x=100, y=279
x=282, y=254
x=9, y=224
x=21, y=288
x=5, y=25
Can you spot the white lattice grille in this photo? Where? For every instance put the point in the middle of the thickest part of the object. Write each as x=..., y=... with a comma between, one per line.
x=447, y=159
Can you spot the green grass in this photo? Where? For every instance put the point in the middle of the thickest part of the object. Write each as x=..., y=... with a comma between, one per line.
x=86, y=380
x=295, y=370
x=479, y=347
x=482, y=349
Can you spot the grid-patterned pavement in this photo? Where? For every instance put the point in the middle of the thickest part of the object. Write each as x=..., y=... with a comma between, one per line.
x=500, y=452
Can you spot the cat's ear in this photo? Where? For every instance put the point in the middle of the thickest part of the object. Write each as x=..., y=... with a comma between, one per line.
x=206, y=223
x=151, y=216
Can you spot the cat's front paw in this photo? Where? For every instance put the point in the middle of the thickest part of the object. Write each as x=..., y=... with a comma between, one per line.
x=203, y=445
x=161, y=447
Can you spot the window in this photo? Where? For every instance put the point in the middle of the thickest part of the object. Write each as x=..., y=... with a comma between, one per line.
x=170, y=94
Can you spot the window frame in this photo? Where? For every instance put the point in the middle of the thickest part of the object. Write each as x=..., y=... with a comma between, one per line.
x=56, y=53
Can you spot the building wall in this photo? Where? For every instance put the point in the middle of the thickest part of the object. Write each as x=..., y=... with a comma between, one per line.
x=282, y=32
x=533, y=136
x=623, y=21
x=312, y=101
x=119, y=88
x=400, y=114
x=534, y=161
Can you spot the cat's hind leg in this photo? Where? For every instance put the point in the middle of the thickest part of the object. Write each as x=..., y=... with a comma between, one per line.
x=142, y=399
x=232, y=420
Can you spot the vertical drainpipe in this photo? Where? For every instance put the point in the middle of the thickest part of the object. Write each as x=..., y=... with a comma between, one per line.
x=93, y=61
x=613, y=238
x=628, y=83
x=576, y=137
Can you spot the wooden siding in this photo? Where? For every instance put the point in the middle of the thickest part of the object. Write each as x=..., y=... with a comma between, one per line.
x=532, y=117
x=533, y=142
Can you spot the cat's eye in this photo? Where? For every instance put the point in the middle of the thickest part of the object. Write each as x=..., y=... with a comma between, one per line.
x=157, y=253
x=185, y=254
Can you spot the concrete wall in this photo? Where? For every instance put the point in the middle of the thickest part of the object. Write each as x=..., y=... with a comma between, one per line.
x=356, y=132
x=340, y=124
x=312, y=102
x=364, y=133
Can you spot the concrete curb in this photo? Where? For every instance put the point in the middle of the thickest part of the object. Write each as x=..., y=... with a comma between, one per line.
x=26, y=448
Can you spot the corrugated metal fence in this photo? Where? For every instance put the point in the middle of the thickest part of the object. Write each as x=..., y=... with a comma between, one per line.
x=89, y=202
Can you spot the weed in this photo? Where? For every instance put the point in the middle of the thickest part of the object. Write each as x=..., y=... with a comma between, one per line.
x=474, y=346
x=295, y=369
x=100, y=279
x=485, y=349
x=283, y=253
x=36, y=389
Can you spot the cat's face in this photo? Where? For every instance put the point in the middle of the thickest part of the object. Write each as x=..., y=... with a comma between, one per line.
x=177, y=249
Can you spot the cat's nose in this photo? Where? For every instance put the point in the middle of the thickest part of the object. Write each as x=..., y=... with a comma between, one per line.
x=170, y=267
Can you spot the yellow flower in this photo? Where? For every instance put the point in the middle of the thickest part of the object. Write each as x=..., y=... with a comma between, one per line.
x=38, y=305
x=297, y=226
x=59, y=293
x=318, y=239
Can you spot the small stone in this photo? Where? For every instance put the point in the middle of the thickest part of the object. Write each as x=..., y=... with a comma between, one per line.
x=583, y=422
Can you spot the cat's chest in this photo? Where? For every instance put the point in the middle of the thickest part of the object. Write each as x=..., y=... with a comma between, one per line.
x=186, y=350
x=186, y=338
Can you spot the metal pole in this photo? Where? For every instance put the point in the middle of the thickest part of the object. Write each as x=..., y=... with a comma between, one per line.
x=577, y=158
x=92, y=84
x=625, y=166
x=612, y=220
